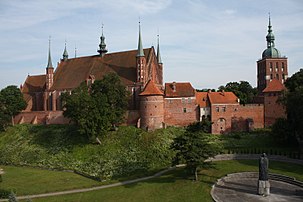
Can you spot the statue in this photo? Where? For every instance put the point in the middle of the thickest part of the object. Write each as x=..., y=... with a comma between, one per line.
x=263, y=183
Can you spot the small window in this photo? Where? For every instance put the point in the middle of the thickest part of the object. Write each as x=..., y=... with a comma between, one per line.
x=277, y=69
x=183, y=100
x=184, y=110
x=223, y=109
x=271, y=76
x=189, y=100
x=277, y=76
x=217, y=109
x=270, y=64
x=270, y=69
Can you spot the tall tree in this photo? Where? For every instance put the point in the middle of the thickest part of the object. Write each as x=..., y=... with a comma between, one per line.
x=293, y=101
x=97, y=108
x=11, y=104
x=194, y=148
x=243, y=90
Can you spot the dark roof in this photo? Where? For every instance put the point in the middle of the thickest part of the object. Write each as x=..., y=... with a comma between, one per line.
x=69, y=74
x=181, y=90
x=34, y=84
x=151, y=89
x=274, y=86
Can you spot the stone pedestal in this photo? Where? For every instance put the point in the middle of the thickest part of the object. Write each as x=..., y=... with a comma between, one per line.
x=263, y=188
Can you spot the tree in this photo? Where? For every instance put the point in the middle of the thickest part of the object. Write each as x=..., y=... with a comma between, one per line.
x=243, y=90
x=293, y=101
x=11, y=103
x=97, y=108
x=194, y=148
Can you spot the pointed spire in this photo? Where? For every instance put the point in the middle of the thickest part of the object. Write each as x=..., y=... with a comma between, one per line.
x=158, y=52
x=270, y=37
x=140, y=47
x=102, y=45
x=65, y=54
x=49, y=64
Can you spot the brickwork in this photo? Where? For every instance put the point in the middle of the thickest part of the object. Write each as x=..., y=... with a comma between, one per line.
x=180, y=111
x=151, y=112
x=272, y=108
x=271, y=68
x=230, y=118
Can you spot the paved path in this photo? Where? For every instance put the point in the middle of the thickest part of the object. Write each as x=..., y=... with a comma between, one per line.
x=243, y=187
x=216, y=158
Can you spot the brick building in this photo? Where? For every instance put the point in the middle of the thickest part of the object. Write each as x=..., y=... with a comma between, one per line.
x=153, y=105
x=272, y=72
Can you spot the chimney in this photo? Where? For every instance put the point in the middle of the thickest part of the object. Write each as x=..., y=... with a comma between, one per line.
x=174, y=86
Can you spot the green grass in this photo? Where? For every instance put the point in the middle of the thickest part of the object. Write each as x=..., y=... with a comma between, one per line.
x=177, y=185
x=24, y=180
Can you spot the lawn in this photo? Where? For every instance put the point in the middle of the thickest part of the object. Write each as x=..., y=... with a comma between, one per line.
x=173, y=186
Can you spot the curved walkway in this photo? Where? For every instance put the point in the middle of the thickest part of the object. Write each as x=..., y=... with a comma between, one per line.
x=243, y=187
x=220, y=157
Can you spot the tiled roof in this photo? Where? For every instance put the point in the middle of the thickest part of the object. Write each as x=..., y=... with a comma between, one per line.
x=222, y=98
x=151, y=89
x=181, y=90
x=34, y=84
x=274, y=86
x=69, y=74
x=201, y=99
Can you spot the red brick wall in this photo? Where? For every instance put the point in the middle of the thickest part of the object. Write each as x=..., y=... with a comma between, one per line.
x=272, y=109
x=236, y=118
x=271, y=67
x=151, y=112
x=41, y=117
x=174, y=111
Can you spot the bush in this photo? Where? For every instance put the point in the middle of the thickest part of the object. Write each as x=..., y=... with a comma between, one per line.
x=4, y=193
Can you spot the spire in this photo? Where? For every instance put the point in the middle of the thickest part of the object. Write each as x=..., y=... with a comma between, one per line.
x=140, y=47
x=65, y=54
x=49, y=64
x=270, y=38
x=102, y=45
x=158, y=52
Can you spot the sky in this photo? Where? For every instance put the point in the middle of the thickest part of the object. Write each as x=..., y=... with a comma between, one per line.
x=208, y=43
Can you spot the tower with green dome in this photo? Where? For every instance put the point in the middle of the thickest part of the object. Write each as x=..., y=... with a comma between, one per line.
x=272, y=65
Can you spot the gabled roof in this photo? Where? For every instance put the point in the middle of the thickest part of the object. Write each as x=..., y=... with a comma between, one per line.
x=181, y=90
x=69, y=74
x=274, y=86
x=222, y=98
x=151, y=89
x=33, y=84
x=201, y=99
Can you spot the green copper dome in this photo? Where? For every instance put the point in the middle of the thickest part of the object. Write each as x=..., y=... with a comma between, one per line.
x=271, y=53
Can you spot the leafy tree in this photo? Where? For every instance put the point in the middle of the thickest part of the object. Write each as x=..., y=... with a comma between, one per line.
x=201, y=126
x=243, y=90
x=293, y=101
x=11, y=103
x=194, y=148
x=97, y=108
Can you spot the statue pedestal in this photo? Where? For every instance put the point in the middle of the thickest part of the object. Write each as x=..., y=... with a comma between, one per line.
x=263, y=187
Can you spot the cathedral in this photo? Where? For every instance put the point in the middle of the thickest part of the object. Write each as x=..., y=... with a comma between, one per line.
x=152, y=104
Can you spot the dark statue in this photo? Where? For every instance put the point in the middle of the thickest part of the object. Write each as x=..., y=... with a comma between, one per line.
x=263, y=167
x=263, y=183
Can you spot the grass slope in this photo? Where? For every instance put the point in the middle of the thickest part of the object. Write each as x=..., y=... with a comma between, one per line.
x=177, y=185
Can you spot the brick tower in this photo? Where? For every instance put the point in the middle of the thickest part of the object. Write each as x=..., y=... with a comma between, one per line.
x=151, y=107
x=272, y=65
x=141, y=62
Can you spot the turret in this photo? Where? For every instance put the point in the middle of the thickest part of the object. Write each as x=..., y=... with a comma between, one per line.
x=141, y=60
x=102, y=45
x=160, y=64
x=65, y=54
x=49, y=70
x=151, y=107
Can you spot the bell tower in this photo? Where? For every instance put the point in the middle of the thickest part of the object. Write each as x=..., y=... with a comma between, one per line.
x=272, y=65
x=141, y=61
